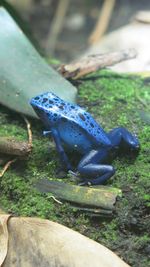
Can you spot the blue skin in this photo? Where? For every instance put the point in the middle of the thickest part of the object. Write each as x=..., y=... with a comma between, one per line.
x=71, y=125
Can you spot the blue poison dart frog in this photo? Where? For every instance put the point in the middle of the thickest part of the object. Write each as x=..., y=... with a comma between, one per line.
x=72, y=126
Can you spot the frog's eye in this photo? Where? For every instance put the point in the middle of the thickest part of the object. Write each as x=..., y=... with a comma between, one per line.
x=37, y=98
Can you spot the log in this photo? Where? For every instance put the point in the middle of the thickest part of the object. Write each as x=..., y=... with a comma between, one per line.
x=12, y=147
x=92, y=63
x=101, y=199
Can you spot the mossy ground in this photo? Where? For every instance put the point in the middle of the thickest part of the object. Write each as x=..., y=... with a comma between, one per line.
x=113, y=100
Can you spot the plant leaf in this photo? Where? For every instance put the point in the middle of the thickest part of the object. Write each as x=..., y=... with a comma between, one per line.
x=23, y=72
x=36, y=242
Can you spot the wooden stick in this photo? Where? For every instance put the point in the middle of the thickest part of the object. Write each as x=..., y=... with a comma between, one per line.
x=29, y=131
x=56, y=200
x=57, y=25
x=18, y=148
x=103, y=21
x=93, y=63
x=7, y=165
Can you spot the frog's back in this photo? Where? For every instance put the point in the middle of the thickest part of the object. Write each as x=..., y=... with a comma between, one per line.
x=73, y=120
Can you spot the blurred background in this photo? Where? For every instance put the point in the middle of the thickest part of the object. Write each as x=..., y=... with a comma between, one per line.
x=66, y=29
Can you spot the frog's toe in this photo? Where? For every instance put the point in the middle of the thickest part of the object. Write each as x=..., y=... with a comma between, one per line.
x=135, y=145
x=72, y=173
x=45, y=133
x=74, y=176
x=107, y=171
x=88, y=183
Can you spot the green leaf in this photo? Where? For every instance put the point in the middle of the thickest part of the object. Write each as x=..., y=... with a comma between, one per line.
x=23, y=72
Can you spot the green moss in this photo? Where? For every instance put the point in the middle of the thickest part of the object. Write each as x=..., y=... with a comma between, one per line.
x=114, y=100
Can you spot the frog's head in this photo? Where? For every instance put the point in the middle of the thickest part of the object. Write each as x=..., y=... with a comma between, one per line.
x=45, y=104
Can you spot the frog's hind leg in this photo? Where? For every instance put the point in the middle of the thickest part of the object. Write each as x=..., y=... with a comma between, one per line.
x=121, y=138
x=91, y=166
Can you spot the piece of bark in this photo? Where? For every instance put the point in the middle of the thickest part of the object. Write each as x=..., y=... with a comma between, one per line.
x=135, y=35
x=12, y=147
x=92, y=63
x=101, y=199
x=37, y=242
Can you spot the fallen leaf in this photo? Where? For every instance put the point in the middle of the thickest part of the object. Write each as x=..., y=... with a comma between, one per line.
x=3, y=237
x=42, y=243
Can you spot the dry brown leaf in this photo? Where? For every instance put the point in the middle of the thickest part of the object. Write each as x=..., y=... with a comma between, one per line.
x=3, y=237
x=42, y=243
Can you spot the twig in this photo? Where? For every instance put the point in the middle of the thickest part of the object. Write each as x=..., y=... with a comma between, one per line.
x=93, y=63
x=56, y=200
x=13, y=147
x=10, y=146
x=29, y=131
x=7, y=166
x=57, y=25
x=103, y=21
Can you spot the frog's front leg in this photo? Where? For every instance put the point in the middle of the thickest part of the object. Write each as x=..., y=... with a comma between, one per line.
x=91, y=165
x=62, y=154
x=121, y=138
